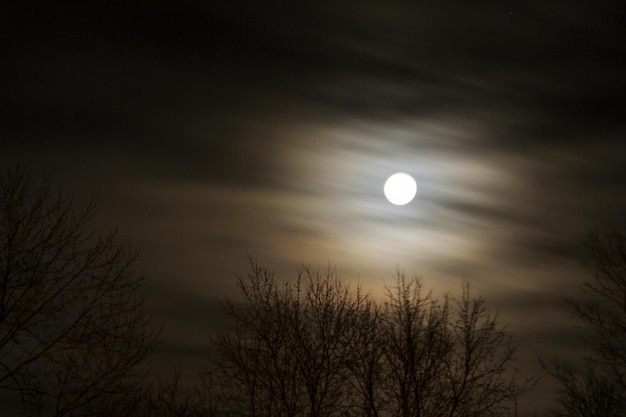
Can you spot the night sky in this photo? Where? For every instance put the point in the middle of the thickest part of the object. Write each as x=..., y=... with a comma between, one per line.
x=209, y=130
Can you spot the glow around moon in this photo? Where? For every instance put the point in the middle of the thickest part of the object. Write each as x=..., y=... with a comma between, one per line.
x=400, y=188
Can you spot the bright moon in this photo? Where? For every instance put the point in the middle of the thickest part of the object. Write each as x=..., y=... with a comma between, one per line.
x=400, y=188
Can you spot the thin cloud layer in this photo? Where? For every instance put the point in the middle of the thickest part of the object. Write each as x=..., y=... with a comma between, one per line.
x=208, y=130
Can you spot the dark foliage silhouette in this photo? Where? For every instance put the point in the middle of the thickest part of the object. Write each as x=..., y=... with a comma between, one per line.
x=596, y=386
x=316, y=347
x=446, y=358
x=288, y=347
x=167, y=396
x=73, y=330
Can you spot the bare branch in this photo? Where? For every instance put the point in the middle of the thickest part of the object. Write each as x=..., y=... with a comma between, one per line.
x=72, y=327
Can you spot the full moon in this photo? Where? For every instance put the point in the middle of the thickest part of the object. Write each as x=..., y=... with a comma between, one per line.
x=400, y=188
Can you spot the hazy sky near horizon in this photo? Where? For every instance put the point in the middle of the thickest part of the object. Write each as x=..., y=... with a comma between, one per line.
x=207, y=130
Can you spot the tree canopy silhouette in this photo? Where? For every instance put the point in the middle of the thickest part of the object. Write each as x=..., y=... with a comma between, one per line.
x=596, y=385
x=315, y=346
x=73, y=329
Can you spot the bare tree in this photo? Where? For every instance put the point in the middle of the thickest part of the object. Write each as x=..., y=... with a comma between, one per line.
x=596, y=386
x=289, y=345
x=257, y=368
x=446, y=360
x=73, y=328
x=313, y=347
x=480, y=372
x=168, y=396
x=586, y=390
x=365, y=369
x=416, y=343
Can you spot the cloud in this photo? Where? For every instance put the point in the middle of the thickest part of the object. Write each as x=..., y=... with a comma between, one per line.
x=210, y=129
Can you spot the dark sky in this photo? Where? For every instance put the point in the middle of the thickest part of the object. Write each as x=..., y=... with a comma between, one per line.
x=210, y=129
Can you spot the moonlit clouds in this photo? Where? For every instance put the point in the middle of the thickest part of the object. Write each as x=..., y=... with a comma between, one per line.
x=208, y=130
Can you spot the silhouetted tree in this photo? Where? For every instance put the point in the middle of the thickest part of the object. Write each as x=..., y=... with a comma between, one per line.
x=417, y=341
x=365, y=369
x=480, y=369
x=73, y=329
x=596, y=386
x=446, y=359
x=287, y=350
x=169, y=397
x=313, y=347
